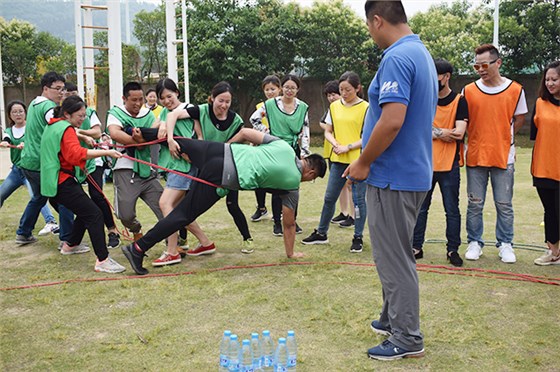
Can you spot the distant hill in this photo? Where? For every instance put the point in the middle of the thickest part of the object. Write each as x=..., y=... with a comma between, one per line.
x=57, y=16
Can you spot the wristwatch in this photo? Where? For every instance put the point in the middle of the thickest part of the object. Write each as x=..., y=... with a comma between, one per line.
x=350, y=146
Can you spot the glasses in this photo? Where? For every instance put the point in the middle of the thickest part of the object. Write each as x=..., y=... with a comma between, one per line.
x=292, y=89
x=58, y=89
x=484, y=65
x=18, y=112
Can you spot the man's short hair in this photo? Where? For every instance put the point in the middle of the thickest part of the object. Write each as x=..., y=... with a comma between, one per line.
x=494, y=52
x=391, y=11
x=443, y=66
x=131, y=86
x=50, y=77
x=318, y=164
x=70, y=87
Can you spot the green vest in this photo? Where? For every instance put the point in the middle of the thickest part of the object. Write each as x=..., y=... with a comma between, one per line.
x=183, y=128
x=268, y=166
x=145, y=121
x=34, y=128
x=50, y=164
x=209, y=130
x=90, y=163
x=15, y=154
x=284, y=126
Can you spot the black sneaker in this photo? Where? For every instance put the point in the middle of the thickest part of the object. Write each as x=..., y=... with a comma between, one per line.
x=135, y=258
x=418, y=253
x=259, y=214
x=277, y=229
x=299, y=230
x=316, y=238
x=340, y=218
x=24, y=240
x=114, y=240
x=357, y=245
x=55, y=231
x=455, y=259
x=348, y=222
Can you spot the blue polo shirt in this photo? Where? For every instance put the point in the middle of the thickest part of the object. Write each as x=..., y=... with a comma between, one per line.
x=406, y=75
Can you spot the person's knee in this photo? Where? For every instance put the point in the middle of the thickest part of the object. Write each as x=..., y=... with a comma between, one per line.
x=475, y=200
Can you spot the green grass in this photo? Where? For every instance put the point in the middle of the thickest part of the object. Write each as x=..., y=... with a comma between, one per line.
x=175, y=323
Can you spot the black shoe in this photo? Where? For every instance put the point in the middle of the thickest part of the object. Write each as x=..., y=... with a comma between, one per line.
x=24, y=240
x=135, y=258
x=277, y=229
x=114, y=240
x=418, y=253
x=455, y=259
x=259, y=214
x=357, y=245
x=316, y=238
x=55, y=231
x=349, y=222
x=340, y=218
x=299, y=230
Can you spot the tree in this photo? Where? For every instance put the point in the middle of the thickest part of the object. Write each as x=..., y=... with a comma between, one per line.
x=131, y=61
x=149, y=29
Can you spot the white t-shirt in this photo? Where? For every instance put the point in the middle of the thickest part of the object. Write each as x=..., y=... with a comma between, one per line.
x=123, y=163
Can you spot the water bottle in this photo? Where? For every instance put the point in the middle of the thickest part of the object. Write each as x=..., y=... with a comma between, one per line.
x=281, y=356
x=224, y=347
x=357, y=212
x=291, y=345
x=256, y=348
x=233, y=354
x=246, y=357
x=267, y=352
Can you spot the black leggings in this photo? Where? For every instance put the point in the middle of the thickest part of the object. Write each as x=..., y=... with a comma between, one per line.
x=99, y=199
x=550, y=199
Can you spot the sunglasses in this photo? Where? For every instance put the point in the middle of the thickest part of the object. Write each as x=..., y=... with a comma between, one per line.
x=484, y=65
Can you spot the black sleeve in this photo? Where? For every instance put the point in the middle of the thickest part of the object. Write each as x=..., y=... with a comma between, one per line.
x=534, y=129
x=463, y=110
x=193, y=111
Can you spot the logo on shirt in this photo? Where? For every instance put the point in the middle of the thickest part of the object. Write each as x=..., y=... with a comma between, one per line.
x=390, y=87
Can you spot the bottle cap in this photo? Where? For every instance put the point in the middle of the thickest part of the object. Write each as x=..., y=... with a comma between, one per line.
x=227, y=333
x=291, y=333
x=254, y=335
x=246, y=342
x=266, y=333
x=281, y=340
x=233, y=337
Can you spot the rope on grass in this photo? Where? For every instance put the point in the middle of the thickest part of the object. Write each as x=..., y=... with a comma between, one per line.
x=436, y=269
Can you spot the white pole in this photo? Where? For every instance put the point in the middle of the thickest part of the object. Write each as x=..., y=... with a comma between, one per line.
x=2, y=107
x=171, y=36
x=185, y=50
x=89, y=60
x=115, y=52
x=79, y=48
x=496, y=23
x=127, y=19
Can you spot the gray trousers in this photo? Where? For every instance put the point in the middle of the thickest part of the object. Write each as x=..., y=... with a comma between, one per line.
x=128, y=188
x=391, y=220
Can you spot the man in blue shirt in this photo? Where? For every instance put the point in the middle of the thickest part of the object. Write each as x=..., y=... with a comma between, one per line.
x=397, y=162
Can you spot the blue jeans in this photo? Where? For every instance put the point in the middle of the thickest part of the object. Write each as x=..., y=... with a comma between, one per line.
x=502, y=189
x=13, y=181
x=449, y=186
x=334, y=188
x=31, y=212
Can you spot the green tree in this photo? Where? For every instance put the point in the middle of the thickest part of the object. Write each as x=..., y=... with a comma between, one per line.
x=131, y=61
x=149, y=29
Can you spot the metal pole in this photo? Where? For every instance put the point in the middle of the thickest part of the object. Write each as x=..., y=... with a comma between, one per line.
x=115, y=52
x=185, y=50
x=2, y=107
x=496, y=23
x=89, y=60
x=171, y=36
x=127, y=19
x=79, y=48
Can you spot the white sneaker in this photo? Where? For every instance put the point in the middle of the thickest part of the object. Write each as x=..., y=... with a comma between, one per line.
x=506, y=253
x=65, y=249
x=547, y=259
x=474, y=251
x=109, y=266
x=49, y=227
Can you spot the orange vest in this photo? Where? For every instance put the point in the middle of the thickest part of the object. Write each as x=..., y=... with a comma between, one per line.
x=490, y=125
x=443, y=153
x=546, y=154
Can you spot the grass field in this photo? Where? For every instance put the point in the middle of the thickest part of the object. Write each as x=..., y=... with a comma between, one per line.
x=175, y=323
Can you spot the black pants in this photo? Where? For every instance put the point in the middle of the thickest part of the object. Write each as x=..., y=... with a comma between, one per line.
x=550, y=199
x=88, y=216
x=99, y=199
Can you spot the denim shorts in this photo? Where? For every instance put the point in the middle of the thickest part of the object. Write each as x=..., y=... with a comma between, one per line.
x=176, y=182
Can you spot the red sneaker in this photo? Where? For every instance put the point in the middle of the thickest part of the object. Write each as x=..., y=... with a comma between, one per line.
x=200, y=250
x=167, y=259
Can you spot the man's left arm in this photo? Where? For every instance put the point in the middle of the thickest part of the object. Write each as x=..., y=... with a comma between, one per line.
x=518, y=121
x=520, y=111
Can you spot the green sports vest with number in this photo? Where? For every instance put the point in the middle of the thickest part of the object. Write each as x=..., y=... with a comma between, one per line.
x=145, y=121
x=15, y=154
x=268, y=166
x=50, y=163
x=209, y=130
x=90, y=163
x=34, y=129
x=285, y=126
x=183, y=128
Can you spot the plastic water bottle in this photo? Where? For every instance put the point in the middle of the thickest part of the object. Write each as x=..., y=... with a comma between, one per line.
x=224, y=347
x=357, y=212
x=267, y=352
x=233, y=354
x=246, y=357
x=256, y=348
x=281, y=356
x=291, y=345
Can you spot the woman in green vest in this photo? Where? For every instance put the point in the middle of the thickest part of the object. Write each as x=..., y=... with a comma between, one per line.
x=176, y=186
x=14, y=136
x=219, y=124
x=61, y=151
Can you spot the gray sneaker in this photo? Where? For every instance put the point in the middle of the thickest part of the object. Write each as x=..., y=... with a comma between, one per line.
x=23, y=240
x=65, y=249
x=109, y=266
